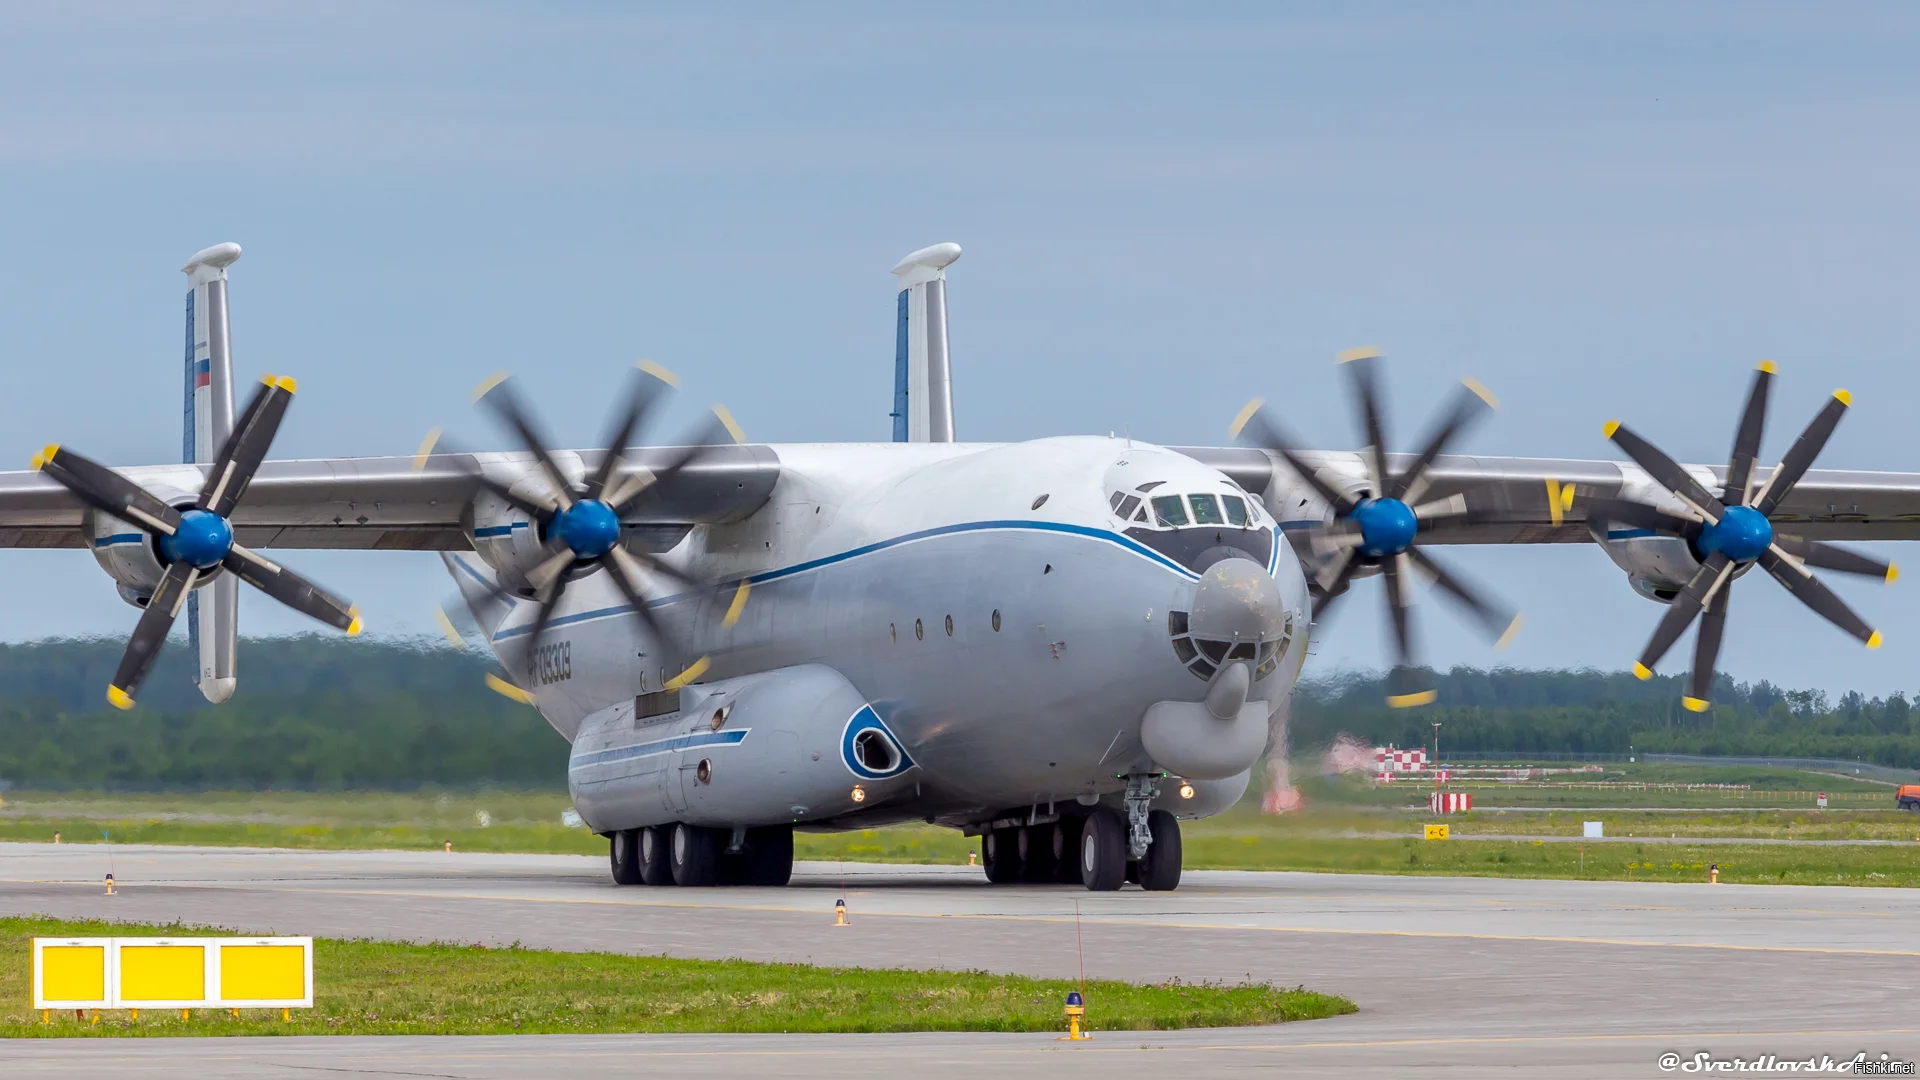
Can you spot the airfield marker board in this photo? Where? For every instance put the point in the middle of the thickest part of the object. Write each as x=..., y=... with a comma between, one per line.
x=173, y=973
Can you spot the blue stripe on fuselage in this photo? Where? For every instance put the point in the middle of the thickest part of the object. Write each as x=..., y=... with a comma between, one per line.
x=1088, y=532
x=660, y=746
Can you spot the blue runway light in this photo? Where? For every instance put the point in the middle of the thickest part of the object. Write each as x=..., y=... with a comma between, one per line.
x=1743, y=535
x=1387, y=526
x=589, y=527
x=202, y=540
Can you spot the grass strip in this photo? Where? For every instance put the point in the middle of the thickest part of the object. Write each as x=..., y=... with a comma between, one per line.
x=384, y=988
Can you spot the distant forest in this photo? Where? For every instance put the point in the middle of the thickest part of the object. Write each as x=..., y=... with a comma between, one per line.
x=322, y=713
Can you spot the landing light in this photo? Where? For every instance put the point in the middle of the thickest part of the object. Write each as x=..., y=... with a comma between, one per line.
x=1186, y=791
x=859, y=793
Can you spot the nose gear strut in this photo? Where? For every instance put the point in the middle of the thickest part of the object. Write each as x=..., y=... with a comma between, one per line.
x=1141, y=791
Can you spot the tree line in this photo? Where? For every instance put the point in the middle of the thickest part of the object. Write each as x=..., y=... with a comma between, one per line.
x=324, y=713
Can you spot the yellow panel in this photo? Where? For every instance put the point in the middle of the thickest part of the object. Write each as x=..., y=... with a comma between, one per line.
x=263, y=972
x=73, y=973
x=1436, y=832
x=163, y=973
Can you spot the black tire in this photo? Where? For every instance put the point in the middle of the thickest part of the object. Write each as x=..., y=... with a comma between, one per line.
x=695, y=855
x=1160, y=870
x=1000, y=853
x=623, y=856
x=769, y=856
x=1037, y=864
x=1066, y=850
x=1103, y=851
x=655, y=850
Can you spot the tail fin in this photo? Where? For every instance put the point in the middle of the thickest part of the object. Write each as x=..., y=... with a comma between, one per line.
x=922, y=377
x=212, y=626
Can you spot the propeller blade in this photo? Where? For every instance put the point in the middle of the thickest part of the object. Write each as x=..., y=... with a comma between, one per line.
x=1640, y=515
x=1268, y=435
x=649, y=382
x=106, y=490
x=1471, y=402
x=240, y=456
x=1360, y=369
x=1333, y=582
x=1500, y=623
x=1801, y=454
x=291, y=589
x=1706, y=649
x=708, y=436
x=1407, y=685
x=1682, y=611
x=1440, y=512
x=1337, y=537
x=1833, y=557
x=437, y=439
x=498, y=394
x=544, y=615
x=1746, y=441
x=1807, y=589
x=150, y=633
x=626, y=575
x=1665, y=470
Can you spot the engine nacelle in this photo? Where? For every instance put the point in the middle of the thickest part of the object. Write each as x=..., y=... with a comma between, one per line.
x=1657, y=566
x=506, y=537
x=794, y=744
x=129, y=555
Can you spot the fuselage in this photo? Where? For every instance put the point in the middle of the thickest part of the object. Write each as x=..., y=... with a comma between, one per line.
x=1010, y=611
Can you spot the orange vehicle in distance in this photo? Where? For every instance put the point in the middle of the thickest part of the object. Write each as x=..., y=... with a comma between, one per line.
x=1908, y=796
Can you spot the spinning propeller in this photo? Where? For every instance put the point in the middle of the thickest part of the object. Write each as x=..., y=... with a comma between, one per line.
x=1730, y=536
x=1379, y=528
x=197, y=542
x=580, y=524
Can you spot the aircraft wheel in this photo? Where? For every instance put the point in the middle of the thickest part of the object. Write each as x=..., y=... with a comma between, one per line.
x=1160, y=870
x=1037, y=865
x=1066, y=848
x=695, y=854
x=623, y=853
x=655, y=862
x=1103, y=851
x=1000, y=851
x=769, y=856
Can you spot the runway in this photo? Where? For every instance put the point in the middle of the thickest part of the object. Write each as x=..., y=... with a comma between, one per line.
x=1454, y=976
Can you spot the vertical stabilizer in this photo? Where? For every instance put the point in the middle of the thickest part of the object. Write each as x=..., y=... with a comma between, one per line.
x=922, y=376
x=213, y=613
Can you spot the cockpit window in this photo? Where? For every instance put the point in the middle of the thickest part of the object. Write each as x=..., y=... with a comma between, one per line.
x=1206, y=510
x=1170, y=511
x=1236, y=509
x=1127, y=506
x=1150, y=485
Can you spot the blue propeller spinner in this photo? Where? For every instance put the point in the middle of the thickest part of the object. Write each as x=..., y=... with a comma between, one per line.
x=1734, y=531
x=1377, y=531
x=196, y=542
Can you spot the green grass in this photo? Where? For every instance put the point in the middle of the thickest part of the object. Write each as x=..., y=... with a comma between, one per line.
x=380, y=988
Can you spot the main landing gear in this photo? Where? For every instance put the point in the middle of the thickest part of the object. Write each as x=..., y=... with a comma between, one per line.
x=1102, y=850
x=696, y=855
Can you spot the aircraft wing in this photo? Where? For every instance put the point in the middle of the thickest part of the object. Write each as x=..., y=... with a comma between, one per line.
x=387, y=503
x=1526, y=500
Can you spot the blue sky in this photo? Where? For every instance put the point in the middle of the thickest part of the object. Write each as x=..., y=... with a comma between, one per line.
x=1600, y=211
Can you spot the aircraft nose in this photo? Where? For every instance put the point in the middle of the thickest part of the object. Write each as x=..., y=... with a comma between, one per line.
x=1237, y=601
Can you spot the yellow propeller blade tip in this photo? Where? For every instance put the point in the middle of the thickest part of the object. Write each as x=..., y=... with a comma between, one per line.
x=1366, y=352
x=1874, y=641
x=739, y=605
x=733, y=427
x=119, y=698
x=507, y=690
x=659, y=372
x=285, y=382
x=1695, y=704
x=446, y=628
x=694, y=670
x=1480, y=390
x=1642, y=671
x=1241, y=418
x=427, y=444
x=1767, y=366
x=1893, y=573
x=45, y=455
x=1512, y=631
x=353, y=626
x=266, y=380
x=1844, y=397
x=486, y=385
x=1408, y=701
x=1610, y=427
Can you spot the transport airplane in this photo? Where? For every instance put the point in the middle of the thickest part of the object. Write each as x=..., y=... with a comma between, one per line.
x=1067, y=645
